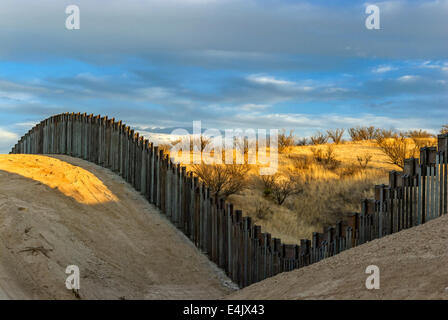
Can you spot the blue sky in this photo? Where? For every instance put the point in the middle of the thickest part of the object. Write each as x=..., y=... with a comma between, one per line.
x=298, y=65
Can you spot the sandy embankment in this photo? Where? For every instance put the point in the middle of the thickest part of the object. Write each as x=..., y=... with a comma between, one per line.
x=60, y=211
x=413, y=265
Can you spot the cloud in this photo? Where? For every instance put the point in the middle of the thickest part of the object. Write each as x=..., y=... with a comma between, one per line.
x=220, y=30
x=155, y=96
x=16, y=96
x=383, y=69
x=7, y=140
x=19, y=92
x=260, y=79
x=439, y=65
x=408, y=78
x=410, y=86
x=307, y=124
x=254, y=107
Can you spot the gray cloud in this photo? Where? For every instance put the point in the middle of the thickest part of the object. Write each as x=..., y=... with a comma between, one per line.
x=213, y=32
x=7, y=140
x=157, y=98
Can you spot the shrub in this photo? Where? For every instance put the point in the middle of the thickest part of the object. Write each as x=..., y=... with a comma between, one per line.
x=354, y=134
x=302, y=142
x=327, y=158
x=419, y=134
x=336, y=135
x=363, y=133
x=424, y=142
x=348, y=171
x=301, y=162
x=222, y=179
x=386, y=134
x=364, y=161
x=267, y=184
x=397, y=149
x=242, y=145
x=318, y=154
x=262, y=210
x=421, y=138
x=398, y=146
x=285, y=141
x=165, y=147
x=444, y=129
x=319, y=138
x=202, y=141
x=280, y=187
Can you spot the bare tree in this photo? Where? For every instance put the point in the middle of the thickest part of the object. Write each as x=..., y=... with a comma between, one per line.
x=319, y=138
x=166, y=147
x=262, y=209
x=280, y=187
x=421, y=138
x=444, y=129
x=327, y=158
x=201, y=141
x=223, y=179
x=397, y=149
x=336, y=135
x=419, y=134
x=285, y=140
x=363, y=133
x=386, y=134
x=301, y=162
x=400, y=147
x=302, y=142
x=364, y=161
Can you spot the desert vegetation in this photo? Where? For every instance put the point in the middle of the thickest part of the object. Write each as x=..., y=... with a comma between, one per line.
x=319, y=138
x=321, y=179
x=402, y=145
x=280, y=187
x=336, y=135
x=444, y=129
x=223, y=180
x=285, y=141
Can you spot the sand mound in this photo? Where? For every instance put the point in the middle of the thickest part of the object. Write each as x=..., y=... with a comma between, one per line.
x=413, y=265
x=60, y=211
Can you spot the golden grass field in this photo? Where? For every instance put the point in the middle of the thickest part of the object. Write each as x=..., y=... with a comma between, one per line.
x=330, y=192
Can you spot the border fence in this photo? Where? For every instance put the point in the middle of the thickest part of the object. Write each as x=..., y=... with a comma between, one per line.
x=247, y=255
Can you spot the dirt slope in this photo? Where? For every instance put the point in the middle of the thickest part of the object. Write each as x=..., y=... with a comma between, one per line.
x=413, y=265
x=60, y=211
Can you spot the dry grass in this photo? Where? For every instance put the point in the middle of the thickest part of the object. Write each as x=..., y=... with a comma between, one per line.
x=331, y=189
